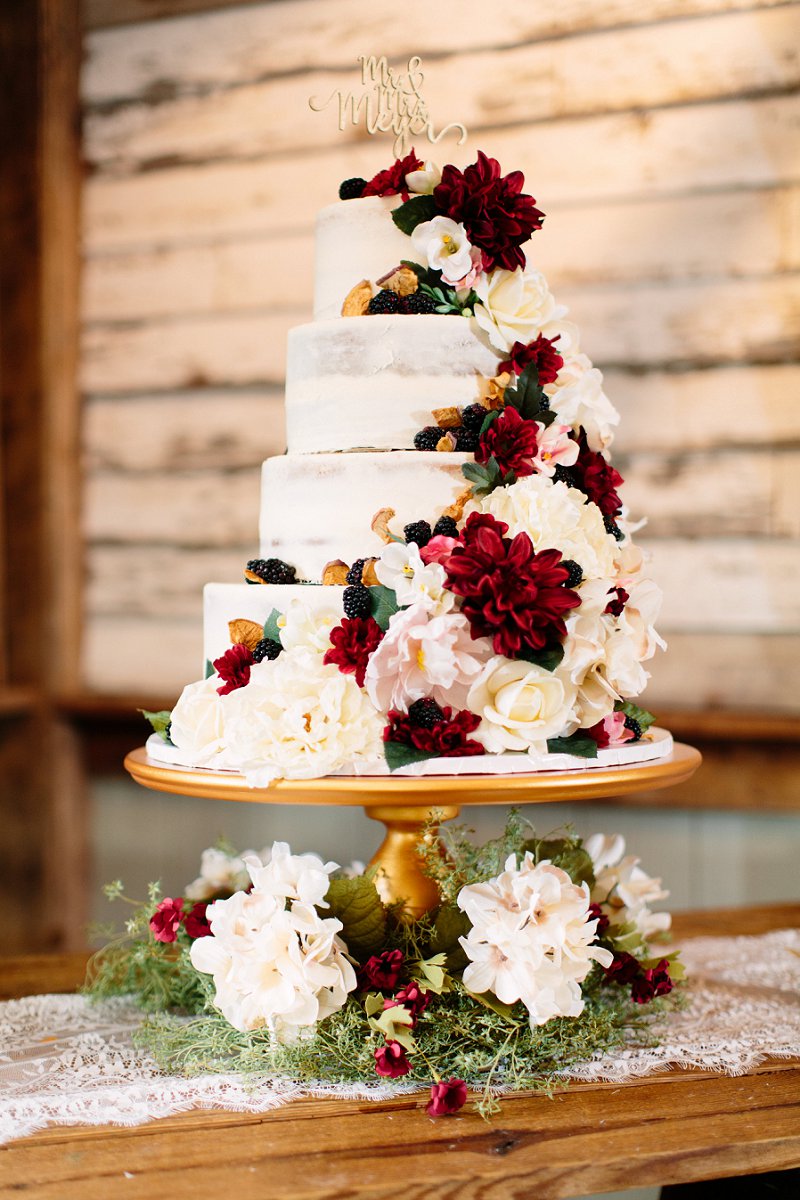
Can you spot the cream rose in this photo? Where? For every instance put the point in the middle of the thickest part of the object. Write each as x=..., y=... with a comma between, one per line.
x=515, y=306
x=302, y=626
x=197, y=720
x=555, y=517
x=521, y=705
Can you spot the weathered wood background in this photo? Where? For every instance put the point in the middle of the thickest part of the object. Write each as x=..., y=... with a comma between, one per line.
x=661, y=137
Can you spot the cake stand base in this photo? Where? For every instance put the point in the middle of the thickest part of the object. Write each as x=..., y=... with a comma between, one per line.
x=406, y=805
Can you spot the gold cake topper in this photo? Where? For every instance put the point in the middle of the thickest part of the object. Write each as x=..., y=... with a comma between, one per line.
x=391, y=102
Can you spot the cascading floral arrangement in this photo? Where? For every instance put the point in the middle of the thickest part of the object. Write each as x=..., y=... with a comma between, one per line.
x=536, y=958
x=516, y=622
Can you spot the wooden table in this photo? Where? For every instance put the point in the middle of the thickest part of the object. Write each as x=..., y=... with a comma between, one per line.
x=671, y=1128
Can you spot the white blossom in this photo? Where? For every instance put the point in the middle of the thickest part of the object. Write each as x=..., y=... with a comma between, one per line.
x=622, y=888
x=400, y=567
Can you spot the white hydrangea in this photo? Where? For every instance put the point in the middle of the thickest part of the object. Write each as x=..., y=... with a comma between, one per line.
x=622, y=889
x=220, y=872
x=531, y=939
x=577, y=398
x=301, y=625
x=299, y=719
x=555, y=517
x=277, y=964
x=400, y=567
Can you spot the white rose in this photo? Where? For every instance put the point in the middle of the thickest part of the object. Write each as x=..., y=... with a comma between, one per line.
x=443, y=245
x=424, y=179
x=577, y=398
x=555, y=517
x=197, y=720
x=516, y=306
x=299, y=719
x=521, y=705
x=302, y=626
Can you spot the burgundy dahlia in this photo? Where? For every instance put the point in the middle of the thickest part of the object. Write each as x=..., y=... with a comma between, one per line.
x=444, y=739
x=234, y=667
x=446, y=1098
x=392, y=181
x=391, y=1061
x=497, y=215
x=511, y=441
x=352, y=643
x=167, y=919
x=597, y=478
x=510, y=593
x=382, y=971
x=196, y=922
x=542, y=353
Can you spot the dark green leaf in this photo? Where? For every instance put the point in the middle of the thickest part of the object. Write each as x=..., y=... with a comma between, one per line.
x=570, y=856
x=487, y=420
x=475, y=473
x=356, y=903
x=577, y=743
x=209, y=669
x=384, y=604
x=411, y=214
x=548, y=659
x=400, y=755
x=159, y=721
x=450, y=924
x=271, y=627
x=633, y=711
x=496, y=1006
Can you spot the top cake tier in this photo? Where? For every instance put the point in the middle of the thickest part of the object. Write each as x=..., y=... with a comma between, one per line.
x=355, y=239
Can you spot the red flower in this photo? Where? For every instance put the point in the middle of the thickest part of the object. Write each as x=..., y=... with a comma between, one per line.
x=510, y=594
x=445, y=739
x=392, y=181
x=510, y=440
x=446, y=1098
x=196, y=922
x=597, y=478
x=166, y=920
x=411, y=997
x=495, y=212
x=382, y=971
x=655, y=981
x=624, y=968
x=596, y=914
x=234, y=668
x=542, y=352
x=615, y=606
x=391, y=1061
x=353, y=642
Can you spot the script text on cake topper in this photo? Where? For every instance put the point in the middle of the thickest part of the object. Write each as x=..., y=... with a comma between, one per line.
x=390, y=103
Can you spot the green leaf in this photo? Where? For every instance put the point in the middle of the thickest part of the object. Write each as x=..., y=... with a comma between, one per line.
x=373, y=1003
x=487, y=420
x=577, y=743
x=356, y=903
x=548, y=659
x=411, y=214
x=484, y=477
x=633, y=711
x=209, y=669
x=431, y=972
x=450, y=924
x=271, y=626
x=567, y=854
x=395, y=1025
x=399, y=755
x=496, y=1006
x=159, y=721
x=384, y=604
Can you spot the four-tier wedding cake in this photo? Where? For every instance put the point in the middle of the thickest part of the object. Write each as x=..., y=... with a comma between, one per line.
x=447, y=580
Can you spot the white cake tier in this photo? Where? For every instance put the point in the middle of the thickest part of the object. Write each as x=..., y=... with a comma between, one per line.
x=315, y=509
x=225, y=602
x=371, y=382
x=355, y=240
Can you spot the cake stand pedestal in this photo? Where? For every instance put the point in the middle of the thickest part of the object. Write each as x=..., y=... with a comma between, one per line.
x=405, y=804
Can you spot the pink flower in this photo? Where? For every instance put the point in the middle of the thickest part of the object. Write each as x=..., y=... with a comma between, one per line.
x=167, y=919
x=391, y=1061
x=611, y=731
x=554, y=448
x=438, y=549
x=446, y=1098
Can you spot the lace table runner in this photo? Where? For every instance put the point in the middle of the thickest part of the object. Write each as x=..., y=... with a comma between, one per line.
x=66, y=1061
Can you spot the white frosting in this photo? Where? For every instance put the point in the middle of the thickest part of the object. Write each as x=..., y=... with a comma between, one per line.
x=317, y=509
x=371, y=382
x=224, y=602
x=356, y=239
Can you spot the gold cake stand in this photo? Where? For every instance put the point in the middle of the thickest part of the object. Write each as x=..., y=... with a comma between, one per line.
x=406, y=804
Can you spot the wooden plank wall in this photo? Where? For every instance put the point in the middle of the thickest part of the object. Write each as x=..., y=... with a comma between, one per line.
x=661, y=138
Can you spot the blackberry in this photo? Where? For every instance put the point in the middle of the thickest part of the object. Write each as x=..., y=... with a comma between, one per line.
x=634, y=726
x=419, y=532
x=266, y=648
x=612, y=527
x=271, y=570
x=417, y=302
x=357, y=601
x=564, y=475
x=425, y=713
x=354, y=574
x=351, y=189
x=384, y=302
x=473, y=417
x=428, y=438
x=575, y=572
x=445, y=527
x=466, y=440
x=544, y=403
x=168, y=731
